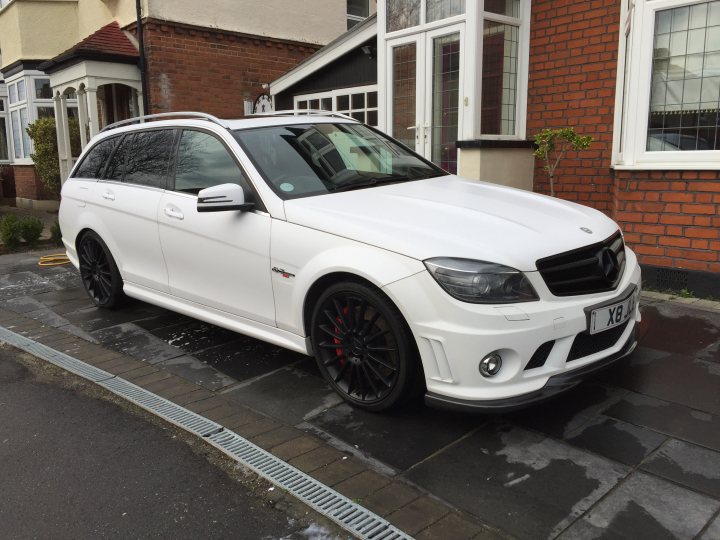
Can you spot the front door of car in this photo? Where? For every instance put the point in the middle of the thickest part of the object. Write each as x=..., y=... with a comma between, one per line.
x=216, y=259
x=127, y=199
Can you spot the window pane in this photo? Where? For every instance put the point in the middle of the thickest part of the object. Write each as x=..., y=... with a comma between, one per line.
x=402, y=14
x=511, y=8
x=358, y=101
x=21, y=91
x=116, y=166
x=13, y=93
x=302, y=104
x=326, y=104
x=685, y=85
x=360, y=8
x=202, y=162
x=372, y=99
x=343, y=103
x=445, y=84
x=27, y=145
x=16, y=133
x=404, y=90
x=442, y=9
x=499, y=78
x=46, y=112
x=4, y=147
x=94, y=162
x=372, y=118
x=148, y=158
x=2, y=105
x=314, y=104
x=42, y=89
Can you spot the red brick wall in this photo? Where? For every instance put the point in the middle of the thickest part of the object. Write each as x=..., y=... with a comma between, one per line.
x=29, y=186
x=573, y=51
x=671, y=218
x=196, y=69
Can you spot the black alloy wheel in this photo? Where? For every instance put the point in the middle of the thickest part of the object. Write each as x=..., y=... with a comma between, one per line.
x=99, y=273
x=363, y=346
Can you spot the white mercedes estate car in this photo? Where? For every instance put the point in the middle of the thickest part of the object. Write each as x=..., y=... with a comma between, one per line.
x=323, y=235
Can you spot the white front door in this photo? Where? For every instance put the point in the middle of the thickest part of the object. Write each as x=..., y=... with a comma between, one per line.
x=424, y=80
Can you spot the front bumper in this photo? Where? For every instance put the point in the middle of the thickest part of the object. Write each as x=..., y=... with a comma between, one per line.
x=555, y=385
x=453, y=336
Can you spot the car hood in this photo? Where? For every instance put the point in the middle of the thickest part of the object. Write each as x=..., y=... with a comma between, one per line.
x=449, y=216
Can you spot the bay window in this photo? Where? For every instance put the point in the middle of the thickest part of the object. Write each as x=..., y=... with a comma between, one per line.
x=4, y=134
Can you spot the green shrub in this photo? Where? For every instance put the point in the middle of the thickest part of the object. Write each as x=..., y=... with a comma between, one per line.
x=46, y=157
x=30, y=229
x=10, y=231
x=56, y=233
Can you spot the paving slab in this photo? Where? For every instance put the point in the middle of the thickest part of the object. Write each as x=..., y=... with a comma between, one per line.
x=390, y=498
x=129, y=339
x=194, y=336
x=617, y=440
x=362, y=485
x=454, y=527
x=246, y=358
x=678, y=328
x=678, y=421
x=289, y=395
x=418, y=515
x=687, y=464
x=401, y=438
x=198, y=372
x=713, y=530
x=645, y=507
x=317, y=458
x=295, y=447
x=526, y=484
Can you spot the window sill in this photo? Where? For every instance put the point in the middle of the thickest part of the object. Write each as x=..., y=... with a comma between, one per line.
x=495, y=143
x=670, y=166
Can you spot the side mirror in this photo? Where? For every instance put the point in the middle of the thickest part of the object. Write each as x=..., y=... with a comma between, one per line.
x=222, y=198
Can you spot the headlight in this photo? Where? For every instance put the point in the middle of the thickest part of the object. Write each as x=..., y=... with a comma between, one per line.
x=481, y=282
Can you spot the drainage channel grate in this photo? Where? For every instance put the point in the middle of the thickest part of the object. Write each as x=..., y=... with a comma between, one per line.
x=346, y=513
x=328, y=502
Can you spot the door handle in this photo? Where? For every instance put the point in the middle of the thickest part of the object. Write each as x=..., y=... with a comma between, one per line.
x=109, y=195
x=172, y=213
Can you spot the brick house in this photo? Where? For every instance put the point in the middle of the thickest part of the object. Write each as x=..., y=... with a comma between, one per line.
x=81, y=62
x=468, y=85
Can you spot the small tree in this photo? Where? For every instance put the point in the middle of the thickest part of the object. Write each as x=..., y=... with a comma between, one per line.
x=552, y=144
x=46, y=158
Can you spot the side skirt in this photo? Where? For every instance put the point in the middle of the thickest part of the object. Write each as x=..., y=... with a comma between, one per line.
x=263, y=332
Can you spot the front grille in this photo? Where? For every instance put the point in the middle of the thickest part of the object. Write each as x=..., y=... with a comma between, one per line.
x=591, y=269
x=586, y=344
x=540, y=356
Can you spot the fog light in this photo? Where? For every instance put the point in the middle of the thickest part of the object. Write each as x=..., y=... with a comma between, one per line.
x=490, y=365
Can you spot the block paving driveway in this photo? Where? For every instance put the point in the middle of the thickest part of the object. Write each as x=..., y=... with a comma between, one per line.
x=633, y=453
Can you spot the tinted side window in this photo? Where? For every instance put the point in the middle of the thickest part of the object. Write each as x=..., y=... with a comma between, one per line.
x=147, y=159
x=94, y=162
x=203, y=161
x=116, y=167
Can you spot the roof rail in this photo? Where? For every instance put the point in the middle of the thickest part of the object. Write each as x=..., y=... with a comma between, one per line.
x=299, y=112
x=185, y=114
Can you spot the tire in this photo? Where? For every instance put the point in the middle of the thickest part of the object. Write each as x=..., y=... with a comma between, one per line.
x=99, y=273
x=364, y=347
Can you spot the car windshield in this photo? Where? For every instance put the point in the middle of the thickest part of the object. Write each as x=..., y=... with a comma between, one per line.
x=300, y=160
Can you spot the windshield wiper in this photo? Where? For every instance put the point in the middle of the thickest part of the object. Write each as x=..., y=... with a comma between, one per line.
x=368, y=182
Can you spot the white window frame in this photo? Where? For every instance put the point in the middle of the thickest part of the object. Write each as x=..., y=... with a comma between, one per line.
x=471, y=49
x=357, y=18
x=5, y=114
x=31, y=104
x=634, y=75
x=348, y=91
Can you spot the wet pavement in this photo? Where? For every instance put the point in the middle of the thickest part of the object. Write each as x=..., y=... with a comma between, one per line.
x=633, y=453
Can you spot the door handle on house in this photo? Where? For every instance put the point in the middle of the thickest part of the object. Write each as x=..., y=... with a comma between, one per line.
x=109, y=195
x=172, y=213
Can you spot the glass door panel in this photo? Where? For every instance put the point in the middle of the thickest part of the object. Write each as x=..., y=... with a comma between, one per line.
x=445, y=88
x=404, y=93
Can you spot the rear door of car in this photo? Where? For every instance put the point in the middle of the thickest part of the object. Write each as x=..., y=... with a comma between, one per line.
x=127, y=199
x=216, y=259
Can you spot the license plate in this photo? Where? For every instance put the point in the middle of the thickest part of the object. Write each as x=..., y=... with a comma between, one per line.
x=608, y=317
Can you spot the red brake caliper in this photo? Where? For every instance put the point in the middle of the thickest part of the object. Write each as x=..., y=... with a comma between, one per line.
x=339, y=352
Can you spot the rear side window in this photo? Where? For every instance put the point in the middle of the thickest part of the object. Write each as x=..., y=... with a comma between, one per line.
x=116, y=167
x=203, y=161
x=94, y=162
x=148, y=156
